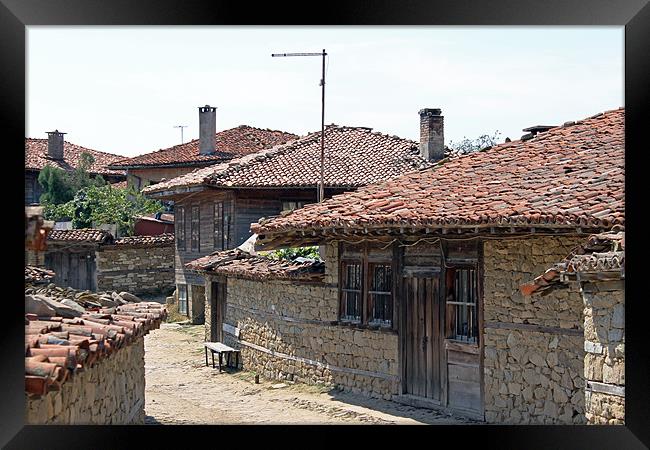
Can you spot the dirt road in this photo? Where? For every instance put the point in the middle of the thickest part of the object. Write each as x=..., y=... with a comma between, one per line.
x=180, y=389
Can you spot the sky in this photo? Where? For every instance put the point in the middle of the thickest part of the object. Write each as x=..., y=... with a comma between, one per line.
x=123, y=89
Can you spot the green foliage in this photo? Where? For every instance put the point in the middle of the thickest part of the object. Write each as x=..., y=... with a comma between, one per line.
x=60, y=186
x=104, y=205
x=290, y=254
x=472, y=145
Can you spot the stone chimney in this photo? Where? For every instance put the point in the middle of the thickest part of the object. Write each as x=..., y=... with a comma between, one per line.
x=207, y=129
x=432, y=140
x=55, y=144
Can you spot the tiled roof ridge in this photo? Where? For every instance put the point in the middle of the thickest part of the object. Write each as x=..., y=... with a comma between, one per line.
x=75, y=145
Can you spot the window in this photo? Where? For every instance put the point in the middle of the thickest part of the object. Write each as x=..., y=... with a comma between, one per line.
x=461, y=304
x=290, y=205
x=182, y=299
x=351, y=292
x=180, y=227
x=222, y=224
x=194, y=229
x=366, y=279
x=380, y=294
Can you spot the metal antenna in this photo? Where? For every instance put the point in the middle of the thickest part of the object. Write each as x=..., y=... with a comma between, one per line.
x=181, y=127
x=321, y=188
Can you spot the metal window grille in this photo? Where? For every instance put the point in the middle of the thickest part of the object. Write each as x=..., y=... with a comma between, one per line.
x=381, y=294
x=182, y=299
x=194, y=229
x=462, y=314
x=180, y=227
x=351, y=292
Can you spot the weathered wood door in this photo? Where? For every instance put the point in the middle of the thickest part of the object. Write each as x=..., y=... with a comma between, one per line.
x=422, y=335
x=217, y=310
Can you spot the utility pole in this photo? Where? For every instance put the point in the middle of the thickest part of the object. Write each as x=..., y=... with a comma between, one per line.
x=321, y=188
x=181, y=127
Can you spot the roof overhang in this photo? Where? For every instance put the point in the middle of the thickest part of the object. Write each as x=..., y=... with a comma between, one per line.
x=175, y=192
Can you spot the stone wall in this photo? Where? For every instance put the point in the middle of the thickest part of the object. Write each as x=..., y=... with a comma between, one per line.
x=533, y=346
x=109, y=393
x=288, y=331
x=604, y=363
x=139, y=270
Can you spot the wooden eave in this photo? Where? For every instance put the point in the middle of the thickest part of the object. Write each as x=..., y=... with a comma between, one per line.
x=171, y=193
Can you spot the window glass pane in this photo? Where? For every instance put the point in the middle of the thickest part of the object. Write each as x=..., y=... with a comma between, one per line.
x=380, y=297
x=351, y=292
x=182, y=299
x=194, y=229
x=461, y=304
x=180, y=227
x=218, y=226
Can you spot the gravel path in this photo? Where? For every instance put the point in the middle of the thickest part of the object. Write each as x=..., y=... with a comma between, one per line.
x=180, y=389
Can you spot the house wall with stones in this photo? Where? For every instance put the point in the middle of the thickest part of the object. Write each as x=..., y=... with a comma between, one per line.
x=109, y=393
x=288, y=331
x=533, y=346
x=139, y=270
x=604, y=361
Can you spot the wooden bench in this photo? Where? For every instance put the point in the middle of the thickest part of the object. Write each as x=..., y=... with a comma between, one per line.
x=218, y=347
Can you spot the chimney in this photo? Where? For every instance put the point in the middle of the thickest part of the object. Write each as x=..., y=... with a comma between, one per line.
x=55, y=144
x=432, y=139
x=207, y=129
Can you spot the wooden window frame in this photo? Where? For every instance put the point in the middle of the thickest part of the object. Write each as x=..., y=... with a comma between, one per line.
x=472, y=308
x=183, y=288
x=218, y=225
x=180, y=227
x=283, y=201
x=195, y=228
x=366, y=260
x=344, y=290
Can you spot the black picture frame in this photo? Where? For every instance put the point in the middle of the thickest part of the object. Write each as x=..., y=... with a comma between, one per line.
x=15, y=15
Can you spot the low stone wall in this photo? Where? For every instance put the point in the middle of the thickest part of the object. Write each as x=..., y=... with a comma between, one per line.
x=533, y=346
x=604, y=363
x=139, y=270
x=288, y=331
x=109, y=393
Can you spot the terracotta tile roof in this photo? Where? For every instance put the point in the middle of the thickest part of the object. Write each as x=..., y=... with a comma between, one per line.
x=241, y=264
x=80, y=235
x=120, y=184
x=166, y=239
x=354, y=156
x=602, y=253
x=36, y=157
x=57, y=348
x=569, y=176
x=165, y=217
x=38, y=275
x=231, y=143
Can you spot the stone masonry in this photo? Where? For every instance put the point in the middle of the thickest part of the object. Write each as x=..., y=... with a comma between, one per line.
x=604, y=363
x=109, y=393
x=288, y=331
x=533, y=346
x=139, y=270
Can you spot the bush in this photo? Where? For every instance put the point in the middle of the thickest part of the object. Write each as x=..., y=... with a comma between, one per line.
x=290, y=254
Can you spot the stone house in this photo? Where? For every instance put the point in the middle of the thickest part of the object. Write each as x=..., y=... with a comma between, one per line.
x=420, y=301
x=215, y=206
x=56, y=152
x=209, y=149
x=598, y=267
x=90, y=259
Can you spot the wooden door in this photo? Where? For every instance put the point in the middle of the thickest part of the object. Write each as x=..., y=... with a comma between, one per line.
x=422, y=335
x=217, y=310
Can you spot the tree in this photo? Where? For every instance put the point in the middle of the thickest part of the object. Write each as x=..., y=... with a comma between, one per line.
x=104, y=205
x=60, y=186
x=473, y=145
x=289, y=254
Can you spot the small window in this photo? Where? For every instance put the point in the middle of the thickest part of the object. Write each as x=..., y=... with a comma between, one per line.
x=218, y=226
x=461, y=304
x=182, y=299
x=291, y=205
x=351, y=292
x=194, y=229
x=180, y=227
x=380, y=295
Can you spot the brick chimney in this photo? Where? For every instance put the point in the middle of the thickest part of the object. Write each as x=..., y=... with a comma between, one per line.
x=55, y=144
x=432, y=140
x=207, y=129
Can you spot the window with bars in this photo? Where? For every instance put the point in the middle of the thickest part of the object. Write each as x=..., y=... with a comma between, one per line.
x=194, y=229
x=290, y=205
x=380, y=294
x=461, y=304
x=180, y=227
x=351, y=299
x=222, y=224
x=182, y=299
